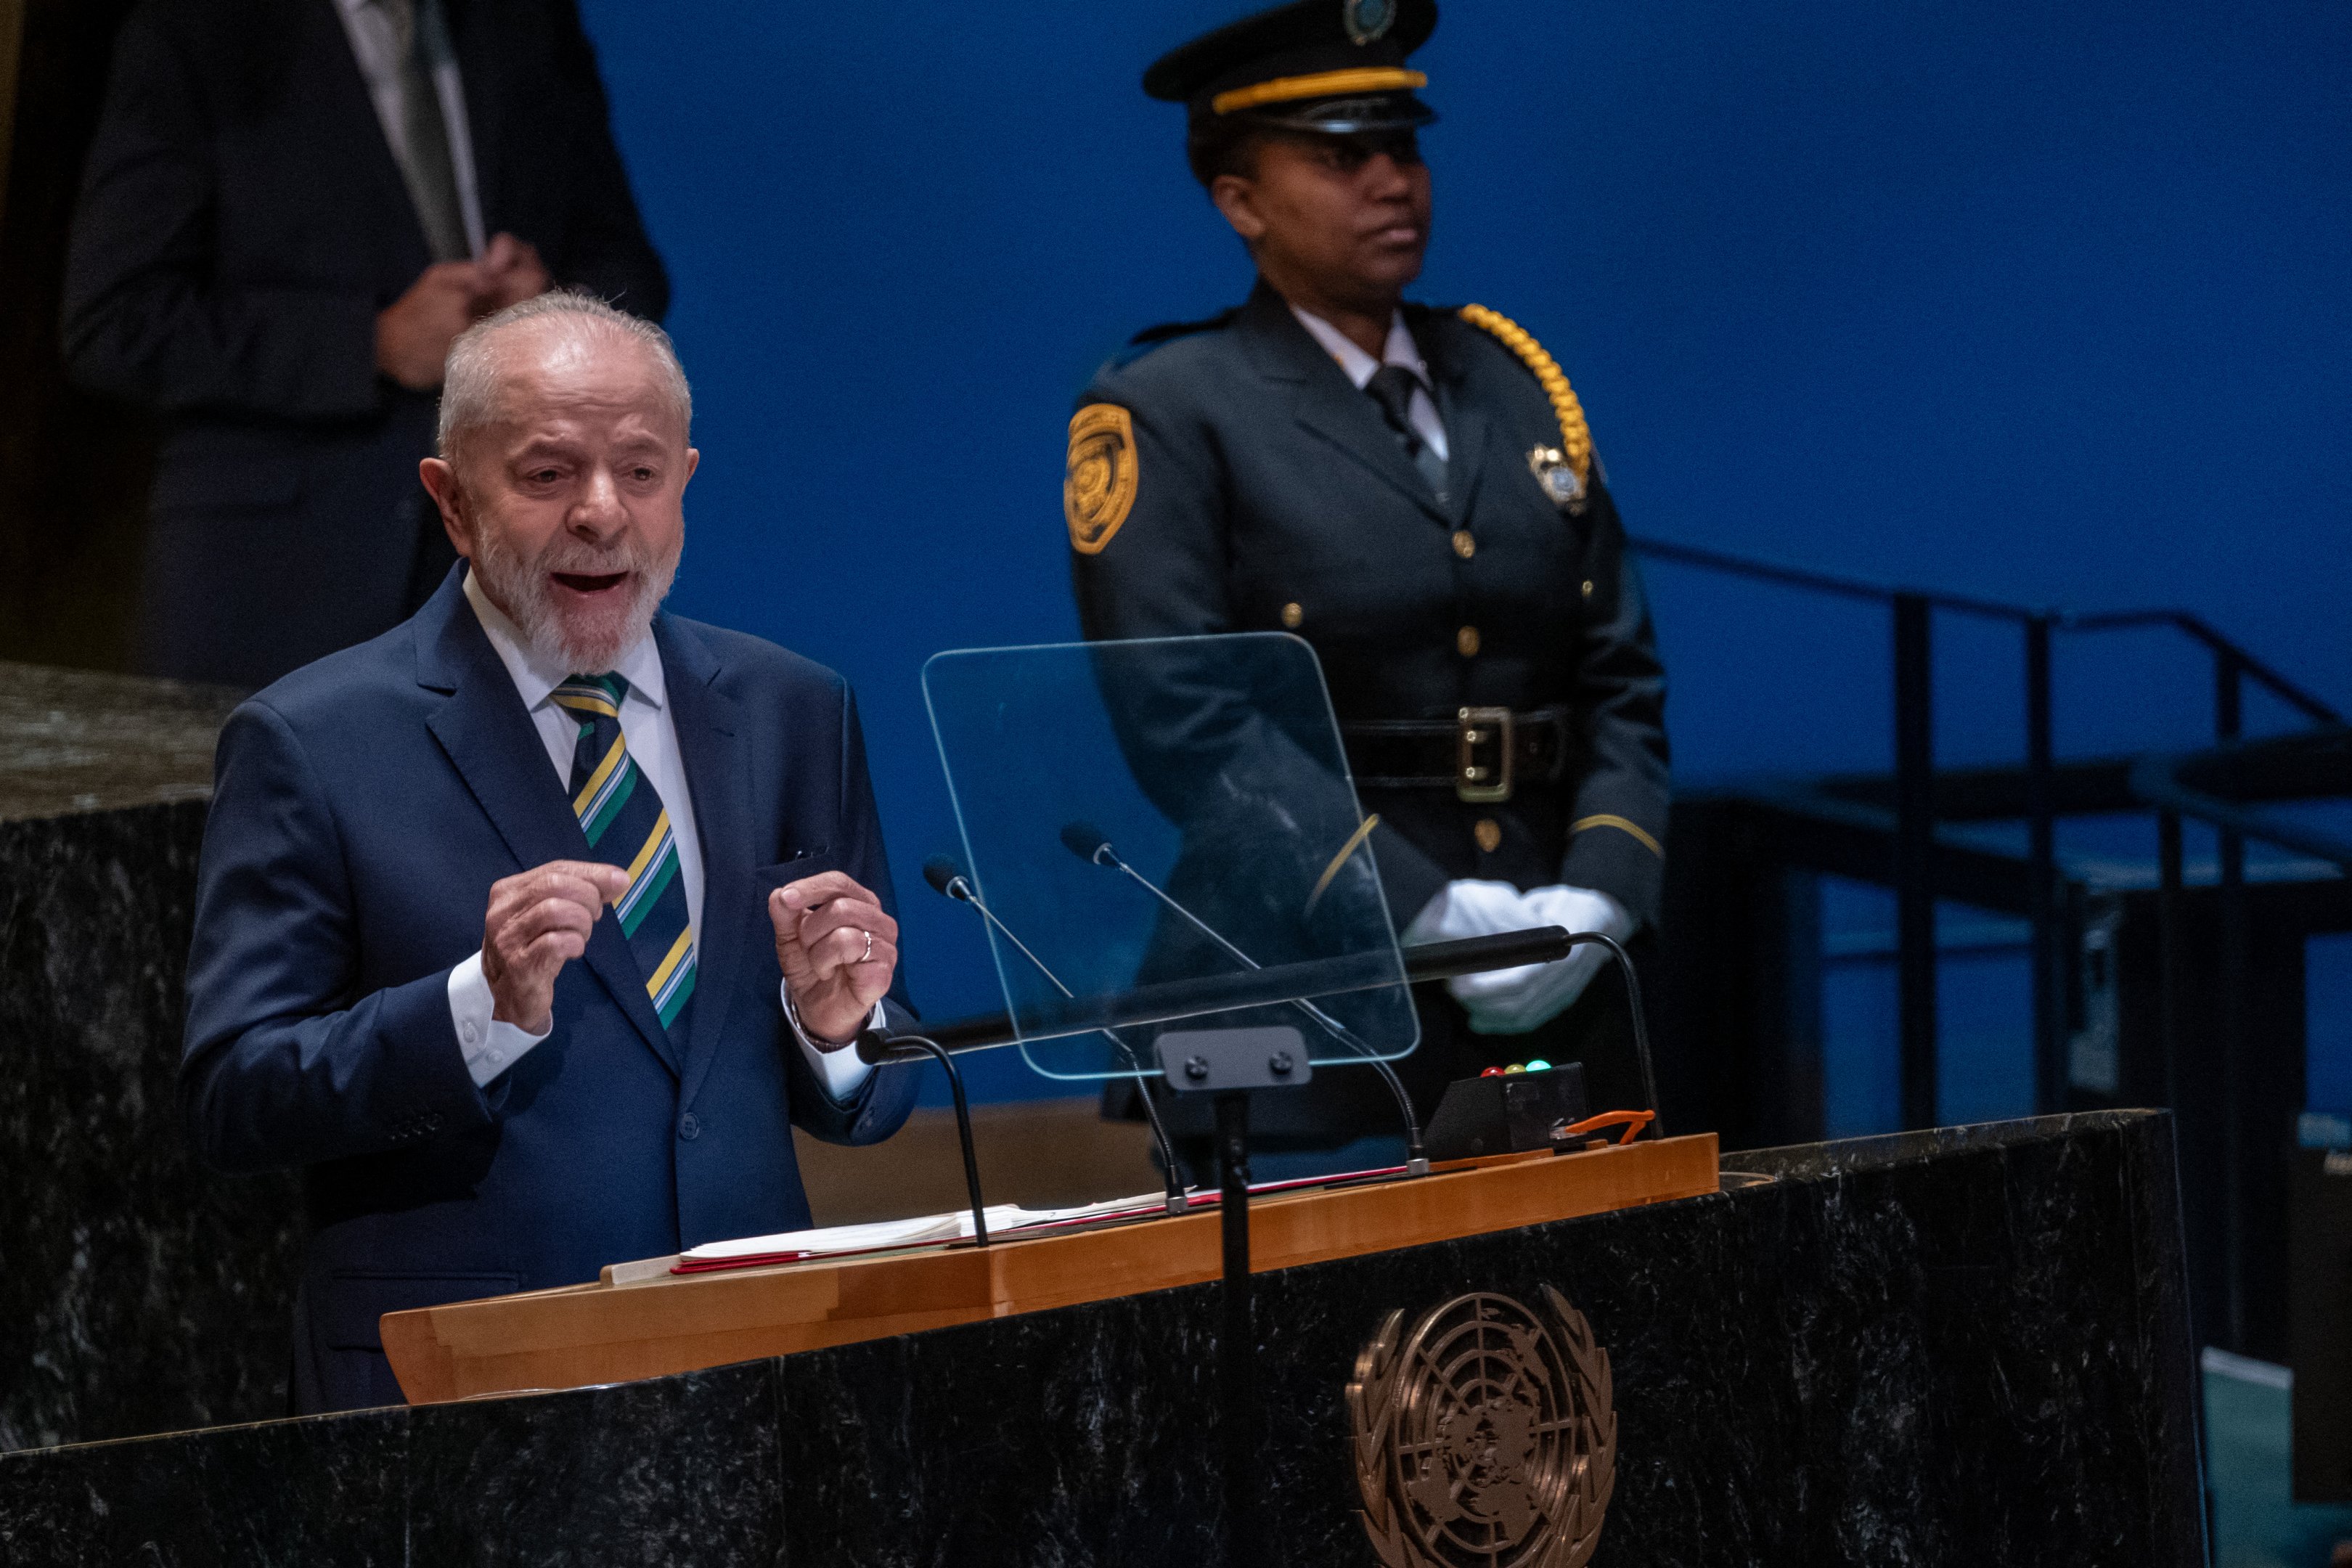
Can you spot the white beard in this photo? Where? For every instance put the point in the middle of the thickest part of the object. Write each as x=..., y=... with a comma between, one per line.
x=593, y=641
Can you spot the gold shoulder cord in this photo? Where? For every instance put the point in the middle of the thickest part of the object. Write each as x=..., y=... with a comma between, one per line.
x=1575, y=438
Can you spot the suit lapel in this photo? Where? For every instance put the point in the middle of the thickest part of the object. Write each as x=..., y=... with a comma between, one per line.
x=718, y=775
x=1325, y=401
x=477, y=74
x=1468, y=432
x=490, y=741
x=355, y=124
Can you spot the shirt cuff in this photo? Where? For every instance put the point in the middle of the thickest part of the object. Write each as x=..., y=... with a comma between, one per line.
x=839, y=1069
x=489, y=1045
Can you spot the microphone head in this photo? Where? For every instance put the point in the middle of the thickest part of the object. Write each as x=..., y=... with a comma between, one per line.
x=1085, y=840
x=945, y=876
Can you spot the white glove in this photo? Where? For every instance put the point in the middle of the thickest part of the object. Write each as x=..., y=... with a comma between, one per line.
x=1466, y=909
x=1515, y=1001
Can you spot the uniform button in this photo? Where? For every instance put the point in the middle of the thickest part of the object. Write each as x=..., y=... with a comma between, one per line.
x=1464, y=545
x=495, y=1057
x=470, y=1034
x=688, y=1128
x=1489, y=833
x=1588, y=588
x=1466, y=642
x=1293, y=616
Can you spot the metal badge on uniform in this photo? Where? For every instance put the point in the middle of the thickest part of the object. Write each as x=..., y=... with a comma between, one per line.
x=1367, y=20
x=1100, y=485
x=1559, y=479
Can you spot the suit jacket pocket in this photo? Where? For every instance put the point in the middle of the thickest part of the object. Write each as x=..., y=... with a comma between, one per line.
x=807, y=862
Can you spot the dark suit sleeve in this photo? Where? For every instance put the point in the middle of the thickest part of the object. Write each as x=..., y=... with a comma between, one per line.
x=1618, y=815
x=605, y=249
x=1161, y=572
x=145, y=318
x=882, y=1102
x=283, y=1064
x=1165, y=573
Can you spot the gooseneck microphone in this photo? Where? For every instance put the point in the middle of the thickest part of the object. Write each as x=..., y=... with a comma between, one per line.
x=1089, y=844
x=949, y=881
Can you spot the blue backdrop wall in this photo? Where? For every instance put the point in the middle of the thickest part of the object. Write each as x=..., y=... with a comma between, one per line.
x=2043, y=303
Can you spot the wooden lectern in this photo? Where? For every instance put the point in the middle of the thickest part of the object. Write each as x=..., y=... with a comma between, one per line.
x=586, y=1334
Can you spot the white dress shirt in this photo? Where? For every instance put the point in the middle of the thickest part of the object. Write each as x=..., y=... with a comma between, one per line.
x=491, y=1045
x=377, y=48
x=1398, y=350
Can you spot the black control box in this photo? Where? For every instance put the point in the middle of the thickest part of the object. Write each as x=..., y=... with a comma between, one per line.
x=1509, y=1114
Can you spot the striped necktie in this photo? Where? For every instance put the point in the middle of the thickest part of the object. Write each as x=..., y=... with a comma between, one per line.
x=627, y=825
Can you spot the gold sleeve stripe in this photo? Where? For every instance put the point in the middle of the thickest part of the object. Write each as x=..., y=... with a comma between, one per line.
x=1619, y=823
x=1575, y=437
x=1322, y=84
x=1355, y=842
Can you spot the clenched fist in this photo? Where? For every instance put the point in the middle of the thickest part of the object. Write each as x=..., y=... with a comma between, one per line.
x=538, y=921
x=837, y=950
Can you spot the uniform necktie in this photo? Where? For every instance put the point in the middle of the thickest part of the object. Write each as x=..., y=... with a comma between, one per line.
x=628, y=826
x=426, y=164
x=1392, y=388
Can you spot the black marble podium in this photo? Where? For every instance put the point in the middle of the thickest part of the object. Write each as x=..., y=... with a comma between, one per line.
x=139, y=1291
x=1966, y=1346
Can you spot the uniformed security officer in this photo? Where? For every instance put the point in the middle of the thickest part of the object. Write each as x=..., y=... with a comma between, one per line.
x=1412, y=490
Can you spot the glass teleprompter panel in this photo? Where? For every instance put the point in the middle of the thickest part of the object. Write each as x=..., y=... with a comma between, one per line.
x=1157, y=823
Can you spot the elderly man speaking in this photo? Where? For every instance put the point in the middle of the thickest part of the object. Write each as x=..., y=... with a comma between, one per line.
x=530, y=928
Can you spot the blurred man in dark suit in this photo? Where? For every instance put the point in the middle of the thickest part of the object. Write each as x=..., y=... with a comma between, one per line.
x=291, y=209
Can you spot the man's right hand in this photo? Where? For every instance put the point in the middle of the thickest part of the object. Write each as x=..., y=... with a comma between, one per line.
x=539, y=922
x=413, y=333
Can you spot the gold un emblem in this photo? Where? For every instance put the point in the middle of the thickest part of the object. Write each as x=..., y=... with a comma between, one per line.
x=1487, y=1437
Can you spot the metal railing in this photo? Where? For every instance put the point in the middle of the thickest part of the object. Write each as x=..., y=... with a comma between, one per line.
x=2253, y=768
x=1912, y=615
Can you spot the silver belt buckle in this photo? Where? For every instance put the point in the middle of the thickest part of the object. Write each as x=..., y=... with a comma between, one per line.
x=1480, y=730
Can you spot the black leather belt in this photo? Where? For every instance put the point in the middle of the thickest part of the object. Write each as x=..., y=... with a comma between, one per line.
x=1482, y=754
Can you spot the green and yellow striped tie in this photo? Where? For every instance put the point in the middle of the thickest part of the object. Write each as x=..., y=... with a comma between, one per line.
x=628, y=826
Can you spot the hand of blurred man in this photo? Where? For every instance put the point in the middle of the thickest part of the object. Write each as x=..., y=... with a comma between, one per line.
x=413, y=333
x=838, y=950
x=511, y=272
x=540, y=921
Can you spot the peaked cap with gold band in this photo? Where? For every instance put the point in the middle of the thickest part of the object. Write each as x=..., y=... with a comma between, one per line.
x=1337, y=67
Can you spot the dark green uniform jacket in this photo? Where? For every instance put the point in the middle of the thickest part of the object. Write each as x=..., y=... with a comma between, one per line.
x=1269, y=494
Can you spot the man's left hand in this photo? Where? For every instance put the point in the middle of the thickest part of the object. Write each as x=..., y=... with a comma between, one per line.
x=838, y=950
x=511, y=272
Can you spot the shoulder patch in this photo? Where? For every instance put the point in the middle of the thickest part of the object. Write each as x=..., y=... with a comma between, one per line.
x=1564, y=471
x=1151, y=338
x=1099, y=486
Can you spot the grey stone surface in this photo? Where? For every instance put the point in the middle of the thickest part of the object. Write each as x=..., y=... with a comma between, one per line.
x=73, y=740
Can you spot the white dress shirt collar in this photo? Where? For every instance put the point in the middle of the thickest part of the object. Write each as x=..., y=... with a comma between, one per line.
x=1400, y=349
x=640, y=663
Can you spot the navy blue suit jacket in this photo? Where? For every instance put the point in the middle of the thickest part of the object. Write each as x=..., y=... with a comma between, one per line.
x=362, y=807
